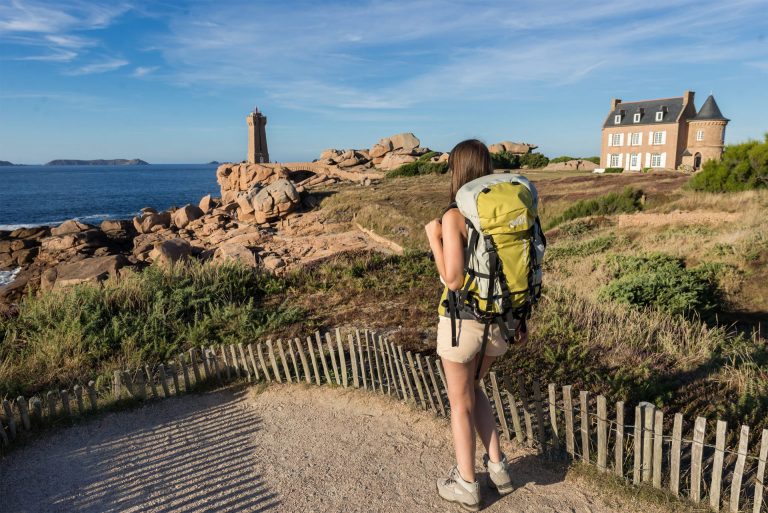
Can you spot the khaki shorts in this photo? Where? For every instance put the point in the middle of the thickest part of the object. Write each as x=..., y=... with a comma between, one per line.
x=469, y=334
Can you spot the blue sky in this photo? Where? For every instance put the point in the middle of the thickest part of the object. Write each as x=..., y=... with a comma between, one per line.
x=173, y=81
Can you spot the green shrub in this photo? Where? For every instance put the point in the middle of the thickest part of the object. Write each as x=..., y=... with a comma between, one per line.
x=594, y=160
x=533, y=160
x=582, y=248
x=419, y=168
x=505, y=160
x=629, y=200
x=428, y=155
x=743, y=167
x=663, y=282
x=562, y=158
x=614, y=170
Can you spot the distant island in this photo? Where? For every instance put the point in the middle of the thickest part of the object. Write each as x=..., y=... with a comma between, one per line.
x=6, y=163
x=214, y=163
x=98, y=162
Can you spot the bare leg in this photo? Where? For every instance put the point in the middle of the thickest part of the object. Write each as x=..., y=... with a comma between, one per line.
x=461, y=395
x=485, y=422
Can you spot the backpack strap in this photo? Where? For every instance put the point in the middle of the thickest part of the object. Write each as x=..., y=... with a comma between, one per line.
x=449, y=207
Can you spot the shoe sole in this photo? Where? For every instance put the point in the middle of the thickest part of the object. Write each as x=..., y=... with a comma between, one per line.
x=468, y=507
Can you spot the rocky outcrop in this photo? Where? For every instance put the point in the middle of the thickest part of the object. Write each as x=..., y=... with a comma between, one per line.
x=387, y=154
x=170, y=251
x=150, y=221
x=512, y=147
x=186, y=214
x=264, y=204
x=93, y=269
x=572, y=165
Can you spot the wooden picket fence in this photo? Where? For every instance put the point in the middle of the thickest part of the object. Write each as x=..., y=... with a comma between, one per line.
x=562, y=424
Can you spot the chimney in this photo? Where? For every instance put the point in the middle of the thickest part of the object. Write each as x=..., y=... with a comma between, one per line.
x=614, y=103
x=688, y=97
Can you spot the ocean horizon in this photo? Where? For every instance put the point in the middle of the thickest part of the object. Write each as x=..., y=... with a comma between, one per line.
x=49, y=195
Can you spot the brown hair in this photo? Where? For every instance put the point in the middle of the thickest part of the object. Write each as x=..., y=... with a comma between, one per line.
x=468, y=160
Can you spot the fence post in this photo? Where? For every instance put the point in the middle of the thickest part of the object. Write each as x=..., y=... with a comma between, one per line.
x=263, y=361
x=526, y=404
x=163, y=380
x=332, y=354
x=150, y=379
x=184, y=372
x=51, y=400
x=284, y=360
x=570, y=441
x=361, y=359
x=717, y=466
x=64, y=395
x=294, y=361
x=36, y=407
x=584, y=424
x=303, y=358
x=658, y=440
x=371, y=363
x=141, y=383
x=541, y=431
x=697, y=451
x=353, y=361
x=9, y=418
x=252, y=359
x=174, y=368
x=385, y=364
x=436, y=388
x=637, y=459
x=677, y=439
x=342, y=359
x=204, y=358
x=235, y=364
x=225, y=361
x=648, y=417
x=117, y=389
x=760, y=476
x=79, y=396
x=21, y=403
x=552, y=400
x=244, y=361
x=738, y=471
x=416, y=379
x=379, y=374
x=499, y=405
x=618, y=449
x=602, y=433
x=273, y=361
x=321, y=354
x=423, y=376
x=397, y=368
x=404, y=365
x=91, y=389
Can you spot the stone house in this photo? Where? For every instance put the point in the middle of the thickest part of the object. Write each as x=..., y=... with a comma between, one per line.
x=668, y=133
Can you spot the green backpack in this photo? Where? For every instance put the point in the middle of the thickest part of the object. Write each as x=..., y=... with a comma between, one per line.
x=502, y=260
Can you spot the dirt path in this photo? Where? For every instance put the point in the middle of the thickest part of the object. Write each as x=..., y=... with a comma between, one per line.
x=288, y=448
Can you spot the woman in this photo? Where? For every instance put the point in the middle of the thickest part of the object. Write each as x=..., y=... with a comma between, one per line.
x=470, y=408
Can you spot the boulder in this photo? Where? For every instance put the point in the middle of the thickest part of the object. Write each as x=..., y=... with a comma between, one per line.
x=572, y=165
x=183, y=216
x=37, y=232
x=207, y=204
x=24, y=257
x=76, y=242
x=512, y=147
x=115, y=226
x=170, y=251
x=71, y=226
x=273, y=262
x=234, y=251
x=93, y=269
x=378, y=150
x=329, y=154
x=405, y=141
x=269, y=203
x=146, y=223
x=148, y=210
x=393, y=161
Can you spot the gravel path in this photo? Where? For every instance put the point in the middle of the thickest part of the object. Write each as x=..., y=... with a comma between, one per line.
x=286, y=448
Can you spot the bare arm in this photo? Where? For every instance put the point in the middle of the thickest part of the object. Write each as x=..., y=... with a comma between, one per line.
x=447, y=240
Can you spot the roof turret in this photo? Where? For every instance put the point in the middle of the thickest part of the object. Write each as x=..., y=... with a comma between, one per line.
x=709, y=111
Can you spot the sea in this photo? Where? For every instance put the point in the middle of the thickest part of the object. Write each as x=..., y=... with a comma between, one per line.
x=50, y=195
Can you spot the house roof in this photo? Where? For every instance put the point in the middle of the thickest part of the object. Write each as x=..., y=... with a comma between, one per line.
x=647, y=110
x=709, y=111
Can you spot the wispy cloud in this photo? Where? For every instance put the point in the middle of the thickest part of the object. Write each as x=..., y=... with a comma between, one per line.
x=99, y=67
x=142, y=71
x=55, y=55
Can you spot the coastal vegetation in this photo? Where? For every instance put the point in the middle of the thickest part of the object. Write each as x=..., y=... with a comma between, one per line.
x=743, y=167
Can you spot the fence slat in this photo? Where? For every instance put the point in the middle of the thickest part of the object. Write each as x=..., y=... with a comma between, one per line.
x=184, y=372
x=406, y=375
x=648, y=417
x=379, y=374
x=204, y=360
x=313, y=359
x=294, y=361
x=65, y=407
x=50, y=399
x=526, y=405
x=175, y=377
x=658, y=441
x=342, y=359
x=499, y=405
x=225, y=362
x=387, y=374
x=263, y=362
x=213, y=364
x=552, y=407
x=371, y=363
x=584, y=424
x=21, y=404
x=90, y=387
x=423, y=376
x=284, y=361
x=570, y=441
x=273, y=361
x=321, y=354
x=541, y=428
x=361, y=359
x=333, y=358
x=760, y=476
x=674, y=457
x=738, y=470
x=163, y=380
x=236, y=370
x=252, y=359
x=637, y=457
x=436, y=388
x=36, y=409
x=151, y=381
x=353, y=360
x=244, y=361
x=117, y=389
x=717, y=466
x=304, y=362
x=400, y=391
x=618, y=448
x=602, y=433
x=416, y=379
x=697, y=451
x=9, y=419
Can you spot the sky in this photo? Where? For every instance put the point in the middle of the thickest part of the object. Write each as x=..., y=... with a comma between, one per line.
x=172, y=81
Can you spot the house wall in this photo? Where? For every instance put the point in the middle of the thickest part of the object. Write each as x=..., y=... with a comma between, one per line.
x=670, y=148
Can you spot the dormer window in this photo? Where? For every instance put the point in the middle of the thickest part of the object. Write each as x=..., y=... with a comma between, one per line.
x=660, y=115
x=617, y=119
x=636, y=117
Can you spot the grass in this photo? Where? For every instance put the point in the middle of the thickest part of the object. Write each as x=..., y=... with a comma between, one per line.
x=629, y=200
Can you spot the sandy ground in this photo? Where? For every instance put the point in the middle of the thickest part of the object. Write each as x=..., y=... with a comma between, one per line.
x=288, y=448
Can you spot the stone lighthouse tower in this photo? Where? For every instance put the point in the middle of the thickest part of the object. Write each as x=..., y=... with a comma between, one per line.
x=257, y=137
x=706, y=135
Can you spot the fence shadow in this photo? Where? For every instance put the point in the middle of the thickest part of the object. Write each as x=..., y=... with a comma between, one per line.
x=191, y=455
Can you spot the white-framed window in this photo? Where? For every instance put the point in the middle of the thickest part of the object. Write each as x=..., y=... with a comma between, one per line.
x=636, y=139
x=614, y=159
x=659, y=137
x=656, y=160
x=634, y=161
x=636, y=117
x=617, y=119
x=616, y=140
x=699, y=135
x=660, y=115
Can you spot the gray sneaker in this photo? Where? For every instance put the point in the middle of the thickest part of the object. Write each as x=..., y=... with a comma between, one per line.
x=454, y=489
x=499, y=474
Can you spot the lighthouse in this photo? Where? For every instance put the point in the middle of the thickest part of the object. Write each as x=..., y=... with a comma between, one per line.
x=257, y=137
